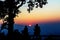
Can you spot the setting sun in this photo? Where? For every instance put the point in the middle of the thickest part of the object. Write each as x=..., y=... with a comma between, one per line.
x=30, y=25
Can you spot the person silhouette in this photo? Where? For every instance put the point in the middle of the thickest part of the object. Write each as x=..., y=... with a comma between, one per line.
x=25, y=34
x=37, y=32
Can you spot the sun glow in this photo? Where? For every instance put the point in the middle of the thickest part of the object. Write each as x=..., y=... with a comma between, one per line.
x=30, y=25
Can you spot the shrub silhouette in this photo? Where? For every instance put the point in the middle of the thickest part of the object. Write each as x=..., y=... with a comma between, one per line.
x=17, y=35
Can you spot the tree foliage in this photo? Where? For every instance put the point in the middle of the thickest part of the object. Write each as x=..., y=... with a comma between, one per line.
x=5, y=5
x=9, y=10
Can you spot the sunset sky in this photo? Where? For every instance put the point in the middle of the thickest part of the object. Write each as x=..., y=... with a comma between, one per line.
x=49, y=13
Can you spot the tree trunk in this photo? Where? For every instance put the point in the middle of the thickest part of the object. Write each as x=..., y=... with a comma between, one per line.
x=10, y=24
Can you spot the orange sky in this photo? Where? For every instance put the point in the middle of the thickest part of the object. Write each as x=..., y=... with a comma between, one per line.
x=39, y=16
x=49, y=13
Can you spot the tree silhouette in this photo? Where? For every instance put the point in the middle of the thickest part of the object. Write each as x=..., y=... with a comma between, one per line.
x=9, y=10
x=37, y=32
x=30, y=5
x=38, y=3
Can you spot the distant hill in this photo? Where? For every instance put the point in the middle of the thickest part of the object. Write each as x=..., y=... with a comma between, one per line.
x=50, y=28
x=46, y=28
